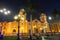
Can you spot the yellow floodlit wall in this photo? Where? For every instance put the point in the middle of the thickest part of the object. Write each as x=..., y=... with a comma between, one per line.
x=11, y=28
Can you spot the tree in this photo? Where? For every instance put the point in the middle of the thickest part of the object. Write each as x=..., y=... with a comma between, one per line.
x=30, y=10
x=56, y=14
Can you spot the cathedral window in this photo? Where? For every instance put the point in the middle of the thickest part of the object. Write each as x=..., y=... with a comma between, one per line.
x=14, y=30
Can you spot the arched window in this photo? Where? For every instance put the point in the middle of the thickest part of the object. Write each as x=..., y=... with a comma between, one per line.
x=36, y=21
x=14, y=30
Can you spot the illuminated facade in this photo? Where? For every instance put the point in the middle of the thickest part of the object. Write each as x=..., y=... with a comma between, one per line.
x=55, y=26
x=11, y=28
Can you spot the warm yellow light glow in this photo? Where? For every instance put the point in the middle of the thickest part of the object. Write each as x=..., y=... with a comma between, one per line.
x=45, y=27
x=24, y=25
x=26, y=20
x=34, y=26
x=16, y=17
x=14, y=26
x=59, y=30
x=22, y=18
x=40, y=28
x=52, y=30
x=22, y=28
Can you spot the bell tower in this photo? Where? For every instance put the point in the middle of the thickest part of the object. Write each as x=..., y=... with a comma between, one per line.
x=23, y=22
x=43, y=17
x=22, y=14
x=44, y=23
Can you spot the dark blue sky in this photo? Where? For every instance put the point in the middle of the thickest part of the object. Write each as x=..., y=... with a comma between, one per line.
x=40, y=5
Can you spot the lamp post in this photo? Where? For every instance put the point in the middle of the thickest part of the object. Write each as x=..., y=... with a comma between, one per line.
x=5, y=11
x=18, y=18
x=50, y=18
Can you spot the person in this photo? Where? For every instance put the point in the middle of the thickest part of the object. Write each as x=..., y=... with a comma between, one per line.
x=1, y=36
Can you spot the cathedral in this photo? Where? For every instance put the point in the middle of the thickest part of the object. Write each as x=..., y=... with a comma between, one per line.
x=11, y=28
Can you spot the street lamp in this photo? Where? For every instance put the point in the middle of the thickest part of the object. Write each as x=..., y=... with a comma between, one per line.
x=8, y=12
x=15, y=17
x=50, y=18
x=5, y=11
x=18, y=18
x=1, y=11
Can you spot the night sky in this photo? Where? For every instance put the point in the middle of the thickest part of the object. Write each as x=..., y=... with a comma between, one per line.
x=39, y=5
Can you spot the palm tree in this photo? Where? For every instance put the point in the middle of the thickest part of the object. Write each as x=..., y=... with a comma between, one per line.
x=30, y=10
x=56, y=14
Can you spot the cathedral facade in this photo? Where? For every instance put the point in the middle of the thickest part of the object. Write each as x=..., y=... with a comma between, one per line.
x=11, y=28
